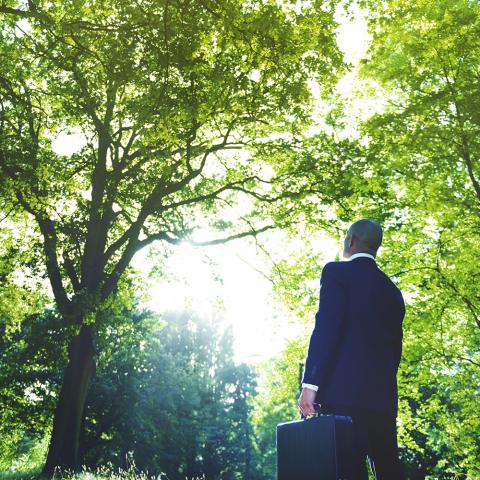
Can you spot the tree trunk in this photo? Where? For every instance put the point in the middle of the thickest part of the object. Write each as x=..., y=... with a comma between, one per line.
x=63, y=451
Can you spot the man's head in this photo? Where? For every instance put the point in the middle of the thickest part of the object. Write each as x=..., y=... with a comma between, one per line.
x=364, y=235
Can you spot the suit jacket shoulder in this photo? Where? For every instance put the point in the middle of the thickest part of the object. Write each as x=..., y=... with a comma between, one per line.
x=397, y=292
x=389, y=280
x=334, y=269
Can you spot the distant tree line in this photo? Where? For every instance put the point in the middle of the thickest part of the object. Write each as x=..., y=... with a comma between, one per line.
x=167, y=396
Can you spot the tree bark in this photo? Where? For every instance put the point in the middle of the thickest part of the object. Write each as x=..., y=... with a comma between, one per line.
x=63, y=450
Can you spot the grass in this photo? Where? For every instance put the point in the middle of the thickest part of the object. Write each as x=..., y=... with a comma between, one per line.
x=101, y=473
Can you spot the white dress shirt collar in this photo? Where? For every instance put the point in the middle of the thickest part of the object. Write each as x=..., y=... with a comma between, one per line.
x=361, y=254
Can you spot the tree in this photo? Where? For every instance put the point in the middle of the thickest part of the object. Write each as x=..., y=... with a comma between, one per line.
x=166, y=396
x=31, y=359
x=164, y=94
x=423, y=58
x=187, y=402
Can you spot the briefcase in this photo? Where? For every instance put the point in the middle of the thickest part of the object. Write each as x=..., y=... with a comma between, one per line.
x=318, y=448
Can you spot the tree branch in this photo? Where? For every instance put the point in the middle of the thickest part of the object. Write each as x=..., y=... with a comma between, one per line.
x=16, y=11
x=100, y=212
x=465, y=150
x=135, y=227
x=217, y=241
x=134, y=246
x=50, y=248
x=49, y=234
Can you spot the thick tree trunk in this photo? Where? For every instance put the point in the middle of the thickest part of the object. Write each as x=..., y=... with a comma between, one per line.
x=63, y=451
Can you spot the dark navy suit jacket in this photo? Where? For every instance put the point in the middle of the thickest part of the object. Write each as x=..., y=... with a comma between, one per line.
x=356, y=345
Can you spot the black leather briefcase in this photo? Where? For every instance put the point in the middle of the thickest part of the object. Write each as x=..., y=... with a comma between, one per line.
x=317, y=448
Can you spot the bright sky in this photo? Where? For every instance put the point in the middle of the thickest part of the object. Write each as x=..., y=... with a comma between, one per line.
x=243, y=295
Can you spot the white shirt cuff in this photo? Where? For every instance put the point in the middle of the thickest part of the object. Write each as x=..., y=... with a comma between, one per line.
x=310, y=386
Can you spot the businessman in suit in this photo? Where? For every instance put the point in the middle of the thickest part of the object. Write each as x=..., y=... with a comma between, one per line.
x=355, y=350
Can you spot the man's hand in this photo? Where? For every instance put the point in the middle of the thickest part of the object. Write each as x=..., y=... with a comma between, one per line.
x=305, y=402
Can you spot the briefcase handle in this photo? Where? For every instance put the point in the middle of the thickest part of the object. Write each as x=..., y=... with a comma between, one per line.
x=318, y=412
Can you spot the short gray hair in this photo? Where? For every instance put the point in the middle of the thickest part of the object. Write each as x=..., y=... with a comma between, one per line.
x=368, y=232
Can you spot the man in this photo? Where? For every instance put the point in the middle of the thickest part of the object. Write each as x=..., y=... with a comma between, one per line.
x=355, y=350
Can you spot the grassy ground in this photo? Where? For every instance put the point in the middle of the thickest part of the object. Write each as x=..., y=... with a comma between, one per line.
x=103, y=473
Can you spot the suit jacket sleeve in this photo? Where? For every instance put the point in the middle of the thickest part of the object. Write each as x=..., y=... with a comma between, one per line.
x=329, y=325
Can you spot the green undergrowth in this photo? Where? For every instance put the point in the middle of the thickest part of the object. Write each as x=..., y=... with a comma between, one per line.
x=101, y=473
